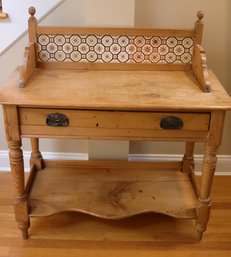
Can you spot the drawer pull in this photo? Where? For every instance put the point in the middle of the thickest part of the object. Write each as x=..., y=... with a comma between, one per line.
x=57, y=120
x=171, y=122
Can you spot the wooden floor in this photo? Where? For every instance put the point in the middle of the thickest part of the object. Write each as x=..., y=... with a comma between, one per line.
x=73, y=234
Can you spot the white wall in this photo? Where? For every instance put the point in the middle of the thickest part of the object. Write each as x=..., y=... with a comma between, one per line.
x=93, y=13
x=69, y=13
x=113, y=13
x=12, y=27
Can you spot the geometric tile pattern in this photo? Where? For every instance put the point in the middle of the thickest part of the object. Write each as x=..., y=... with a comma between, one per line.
x=115, y=49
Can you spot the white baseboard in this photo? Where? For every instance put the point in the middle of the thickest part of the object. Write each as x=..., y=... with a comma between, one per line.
x=5, y=166
x=223, y=161
x=223, y=164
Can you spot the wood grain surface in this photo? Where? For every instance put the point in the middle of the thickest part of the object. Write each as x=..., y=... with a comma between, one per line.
x=116, y=90
x=69, y=234
x=112, y=124
x=115, y=31
x=112, y=192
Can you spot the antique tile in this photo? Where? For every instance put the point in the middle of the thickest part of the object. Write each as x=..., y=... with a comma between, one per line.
x=115, y=49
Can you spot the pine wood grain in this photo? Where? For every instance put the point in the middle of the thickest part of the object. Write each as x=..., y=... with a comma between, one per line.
x=32, y=25
x=29, y=63
x=114, y=66
x=71, y=234
x=112, y=120
x=199, y=27
x=108, y=124
x=200, y=68
x=126, y=90
x=111, y=192
x=114, y=31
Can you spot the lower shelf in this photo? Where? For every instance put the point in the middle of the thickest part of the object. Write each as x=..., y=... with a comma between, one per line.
x=112, y=190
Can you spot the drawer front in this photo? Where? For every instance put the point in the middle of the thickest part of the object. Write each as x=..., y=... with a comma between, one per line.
x=111, y=124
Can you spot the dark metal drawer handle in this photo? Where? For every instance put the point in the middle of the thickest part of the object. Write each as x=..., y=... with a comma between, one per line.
x=57, y=120
x=171, y=122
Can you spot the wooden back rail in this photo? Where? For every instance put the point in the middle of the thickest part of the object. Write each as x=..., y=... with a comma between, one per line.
x=115, y=49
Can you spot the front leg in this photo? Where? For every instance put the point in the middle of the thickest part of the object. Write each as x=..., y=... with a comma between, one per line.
x=11, y=123
x=208, y=170
x=204, y=201
x=20, y=197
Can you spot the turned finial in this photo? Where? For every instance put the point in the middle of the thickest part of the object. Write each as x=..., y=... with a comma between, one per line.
x=32, y=11
x=200, y=15
x=32, y=25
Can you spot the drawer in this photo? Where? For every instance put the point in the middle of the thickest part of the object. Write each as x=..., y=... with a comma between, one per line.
x=111, y=124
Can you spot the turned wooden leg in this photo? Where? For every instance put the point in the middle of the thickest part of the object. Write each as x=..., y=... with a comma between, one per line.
x=36, y=157
x=188, y=159
x=20, y=199
x=208, y=170
x=11, y=123
x=188, y=165
x=204, y=201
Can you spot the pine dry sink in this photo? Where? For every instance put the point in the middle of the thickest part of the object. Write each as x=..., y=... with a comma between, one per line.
x=113, y=83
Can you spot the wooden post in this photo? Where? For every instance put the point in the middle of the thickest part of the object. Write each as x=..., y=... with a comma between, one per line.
x=17, y=168
x=200, y=69
x=36, y=157
x=29, y=64
x=198, y=28
x=30, y=55
x=208, y=170
x=32, y=25
x=188, y=159
x=32, y=31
